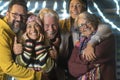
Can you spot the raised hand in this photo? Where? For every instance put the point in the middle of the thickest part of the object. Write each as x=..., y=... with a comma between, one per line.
x=25, y=37
x=42, y=37
x=17, y=47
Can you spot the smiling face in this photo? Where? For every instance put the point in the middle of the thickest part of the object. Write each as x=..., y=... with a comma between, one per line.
x=50, y=26
x=16, y=17
x=33, y=30
x=85, y=27
x=75, y=8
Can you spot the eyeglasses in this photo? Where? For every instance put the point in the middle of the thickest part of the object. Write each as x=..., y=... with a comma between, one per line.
x=84, y=24
x=16, y=15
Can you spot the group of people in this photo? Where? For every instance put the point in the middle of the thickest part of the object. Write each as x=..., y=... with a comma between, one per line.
x=43, y=47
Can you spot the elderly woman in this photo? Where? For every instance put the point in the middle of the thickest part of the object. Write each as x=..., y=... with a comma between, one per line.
x=103, y=67
x=69, y=36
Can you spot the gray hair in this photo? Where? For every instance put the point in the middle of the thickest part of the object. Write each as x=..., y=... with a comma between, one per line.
x=49, y=12
x=89, y=17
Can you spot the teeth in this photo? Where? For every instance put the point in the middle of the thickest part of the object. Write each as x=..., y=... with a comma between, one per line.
x=33, y=33
x=51, y=32
x=75, y=13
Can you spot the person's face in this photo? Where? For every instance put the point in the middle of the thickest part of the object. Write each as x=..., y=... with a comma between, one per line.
x=85, y=27
x=50, y=26
x=75, y=8
x=16, y=17
x=33, y=30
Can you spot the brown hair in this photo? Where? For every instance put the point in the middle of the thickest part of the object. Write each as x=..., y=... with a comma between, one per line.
x=19, y=2
x=83, y=2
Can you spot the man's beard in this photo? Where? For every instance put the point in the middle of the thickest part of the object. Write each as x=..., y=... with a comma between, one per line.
x=51, y=35
x=16, y=26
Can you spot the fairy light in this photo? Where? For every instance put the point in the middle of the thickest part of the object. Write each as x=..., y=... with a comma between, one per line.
x=89, y=10
x=104, y=18
x=34, y=9
x=55, y=6
x=28, y=4
x=117, y=6
x=44, y=4
x=3, y=6
x=64, y=15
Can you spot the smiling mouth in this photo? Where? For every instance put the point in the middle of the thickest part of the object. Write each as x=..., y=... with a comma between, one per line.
x=75, y=12
x=33, y=34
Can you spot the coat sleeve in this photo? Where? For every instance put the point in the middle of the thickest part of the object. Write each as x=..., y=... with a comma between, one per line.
x=105, y=51
x=102, y=33
x=76, y=65
x=7, y=64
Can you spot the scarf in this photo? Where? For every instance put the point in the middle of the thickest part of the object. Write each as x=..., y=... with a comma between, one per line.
x=94, y=74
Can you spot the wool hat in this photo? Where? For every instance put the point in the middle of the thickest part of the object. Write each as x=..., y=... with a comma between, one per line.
x=33, y=18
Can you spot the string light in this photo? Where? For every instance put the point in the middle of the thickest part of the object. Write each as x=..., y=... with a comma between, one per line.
x=104, y=18
x=55, y=6
x=28, y=4
x=117, y=6
x=36, y=6
x=4, y=5
x=44, y=4
x=64, y=14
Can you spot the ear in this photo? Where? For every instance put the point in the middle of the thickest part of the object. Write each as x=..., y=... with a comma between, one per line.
x=7, y=14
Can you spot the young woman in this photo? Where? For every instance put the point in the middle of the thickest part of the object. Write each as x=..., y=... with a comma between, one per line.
x=37, y=51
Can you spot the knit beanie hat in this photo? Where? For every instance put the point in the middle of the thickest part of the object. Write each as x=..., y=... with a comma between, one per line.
x=33, y=18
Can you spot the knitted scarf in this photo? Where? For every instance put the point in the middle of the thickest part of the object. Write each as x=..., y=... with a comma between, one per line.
x=94, y=74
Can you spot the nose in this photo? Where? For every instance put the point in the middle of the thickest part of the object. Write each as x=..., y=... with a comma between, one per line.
x=75, y=7
x=19, y=18
x=50, y=28
x=33, y=28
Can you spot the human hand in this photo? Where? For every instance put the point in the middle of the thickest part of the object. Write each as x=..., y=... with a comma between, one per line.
x=53, y=53
x=17, y=47
x=41, y=38
x=77, y=43
x=25, y=37
x=88, y=53
x=57, y=42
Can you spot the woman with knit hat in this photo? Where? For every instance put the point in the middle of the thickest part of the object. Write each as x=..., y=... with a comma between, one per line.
x=36, y=50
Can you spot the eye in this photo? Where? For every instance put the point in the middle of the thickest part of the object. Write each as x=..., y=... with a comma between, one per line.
x=37, y=25
x=78, y=5
x=71, y=5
